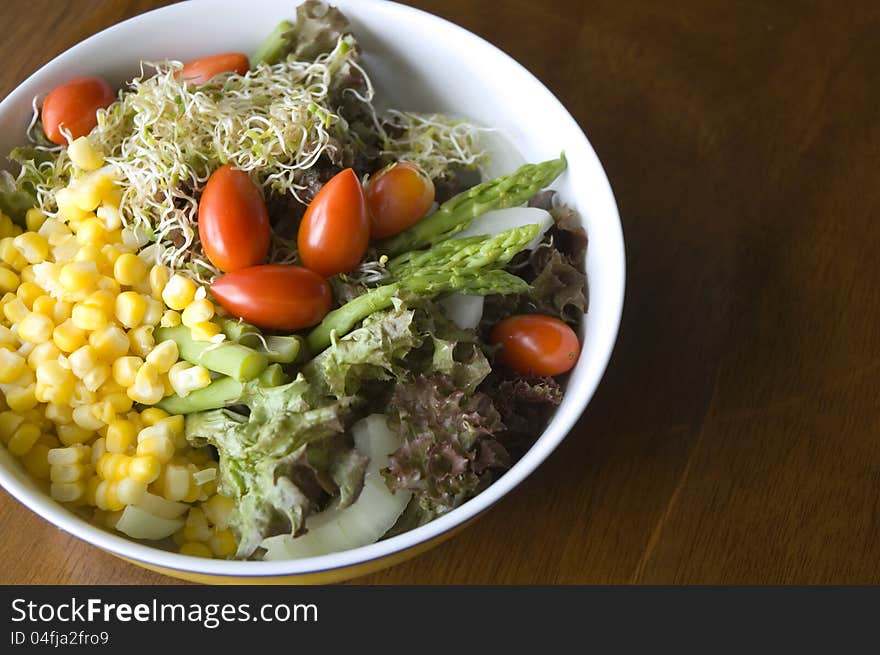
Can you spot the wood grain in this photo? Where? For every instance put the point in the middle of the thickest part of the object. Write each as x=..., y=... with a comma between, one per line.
x=735, y=436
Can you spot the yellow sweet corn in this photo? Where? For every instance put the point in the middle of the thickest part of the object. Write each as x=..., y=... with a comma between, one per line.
x=163, y=356
x=141, y=340
x=36, y=328
x=170, y=318
x=152, y=416
x=44, y=305
x=147, y=388
x=154, y=312
x=23, y=439
x=109, y=343
x=125, y=370
x=33, y=247
x=9, y=280
x=12, y=365
x=84, y=155
x=68, y=337
x=34, y=219
x=222, y=543
x=158, y=444
x=88, y=317
x=205, y=331
x=79, y=277
x=72, y=434
x=67, y=492
x=198, y=311
x=129, y=269
x=59, y=414
x=130, y=308
x=178, y=292
x=159, y=276
x=110, y=216
x=185, y=378
x=21, y=399
x=194, y=549
x=15, y=310
x=121, y=436
x=43, y=352
x=145, y=468
x=35, y=461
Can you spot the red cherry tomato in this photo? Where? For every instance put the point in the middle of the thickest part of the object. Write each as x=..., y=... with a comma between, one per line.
x=233, y=221
x=200, y=71
x=398, y=196
x=275, y=296
x=534, y=344
x=74, y=105
x=335, y=230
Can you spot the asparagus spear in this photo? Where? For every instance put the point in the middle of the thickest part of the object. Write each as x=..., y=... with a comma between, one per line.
x=283, y=349
x=428, y=283
x=456, y=213
x=232, y=359
x=472, y=252
x=273, y=47
x=222, y=392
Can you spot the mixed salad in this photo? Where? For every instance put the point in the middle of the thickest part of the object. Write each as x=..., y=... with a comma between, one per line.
x=246, y=315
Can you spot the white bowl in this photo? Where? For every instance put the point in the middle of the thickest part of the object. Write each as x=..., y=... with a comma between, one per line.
x=417, y=62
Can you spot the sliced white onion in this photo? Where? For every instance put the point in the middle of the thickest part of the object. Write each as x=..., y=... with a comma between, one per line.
x=465, y=311
x=364, y=521
x=161, y=507
x=499, y=220
x=140, y=524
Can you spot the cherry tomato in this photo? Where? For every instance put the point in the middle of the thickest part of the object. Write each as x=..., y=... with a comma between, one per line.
x=74, y=106
x=398, y=196
x=200, y=71
x=335, y=230
x=534, y=344
x=233, y=221
x=275, y=296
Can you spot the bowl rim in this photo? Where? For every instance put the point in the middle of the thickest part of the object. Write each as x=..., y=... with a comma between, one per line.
x=138, y=552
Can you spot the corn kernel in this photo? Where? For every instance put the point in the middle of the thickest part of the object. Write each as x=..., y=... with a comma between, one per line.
x=10, y=255
x=194, y=549
x=163, y=356
x=119, y=402
x=106, y=497
x=147, y=388
x=79, y=276
x=110, y=215
x=205, y=331
x=84, y=418
x=71, y=455
x=159, y=446
x=186, y=378
x=178, y=292
x=28, y=273
x=154, y=312
x=82, y=360
x=53, y=231
x=36, y=328
x=98, y=450
x=141, y=340
x=59, y=414
x=82, y=395
x=68, y=472
x=29, y=292
x=217, y=509
x=21, y=399
x=34, y=219
x=71, y=434
x=12, y=365
x=35, y=461
x=91, y=231
x=198, y=311
x=68, y=337
x=144, y=468
x=153, y=416
x=84, y=155
x=23, y=439
x=129, y=269
x=44, y=305
x=9, y=280
x=121, y=436
x=130, y=308
x=88, y=317
x=15, y=310
x=43, y=352
x=103, y=299
x=223, y=544
x=111, y=253
x=110, y=343
x=131, y=491
x=125, y=369
x=159, y=276
x=9, y=423
x=170, y=318
x=32, y=246
x=113, y=466
x=196, y=527
x=111, y=286
x=54, y=374
x=67, y=492
x=61, y=311
x=104, y=412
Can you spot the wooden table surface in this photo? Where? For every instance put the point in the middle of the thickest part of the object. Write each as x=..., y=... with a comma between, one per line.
x=734, y=438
